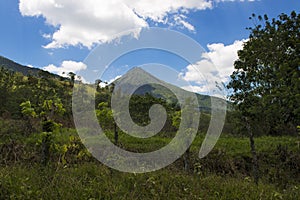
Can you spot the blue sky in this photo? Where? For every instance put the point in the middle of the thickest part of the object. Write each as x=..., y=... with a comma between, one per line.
x=59, y=35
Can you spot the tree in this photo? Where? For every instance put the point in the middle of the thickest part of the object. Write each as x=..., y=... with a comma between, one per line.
x=5, y=87
x=104, y=115
x=29, y=115
x=106, y=120
x=46, y=114
x=190, y=115
x=267, y=72
x=72, y=76
x=266, y=83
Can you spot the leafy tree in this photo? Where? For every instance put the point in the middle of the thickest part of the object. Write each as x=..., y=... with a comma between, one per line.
x=27, y=109
x=266, y=78
x=72, y=77
x=5, y=87
x=140, y=105
x=29, y=115
x=266, y=83
x=46, y=115
x=105, y=117
x=51, y=108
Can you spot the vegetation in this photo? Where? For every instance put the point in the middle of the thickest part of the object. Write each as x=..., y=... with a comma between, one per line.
x=27, y=71
x=266, y=83
x=73, y=173
x=42, y=156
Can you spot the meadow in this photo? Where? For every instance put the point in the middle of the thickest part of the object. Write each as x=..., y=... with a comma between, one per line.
x=72, y=173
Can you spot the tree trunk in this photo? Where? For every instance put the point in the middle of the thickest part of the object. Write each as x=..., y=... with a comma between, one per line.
x=116, y=133
x=46, y=149
x=253, y=152
x=186, y=160
x=46, y=141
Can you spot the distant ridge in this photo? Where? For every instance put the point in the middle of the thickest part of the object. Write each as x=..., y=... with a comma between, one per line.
x=25, y=70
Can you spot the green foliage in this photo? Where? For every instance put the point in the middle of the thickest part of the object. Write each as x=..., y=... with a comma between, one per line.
x=265, y=83
x=176, y=119
x=17, y=89
x=104, y=115
x=50, y=108
x=27, y=109
x=48, y=112
x=73, y=173
x=72, y=77
x=140, y=105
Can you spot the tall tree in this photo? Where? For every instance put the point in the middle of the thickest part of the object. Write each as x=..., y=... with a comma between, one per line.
x=72, y=76
x=266, y=80
x=46, y=114
x=266, y=77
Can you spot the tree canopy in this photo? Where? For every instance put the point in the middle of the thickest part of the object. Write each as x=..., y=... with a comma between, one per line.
x=266, y=81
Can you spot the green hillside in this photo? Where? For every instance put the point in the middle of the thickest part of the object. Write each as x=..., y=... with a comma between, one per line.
x=25, y=70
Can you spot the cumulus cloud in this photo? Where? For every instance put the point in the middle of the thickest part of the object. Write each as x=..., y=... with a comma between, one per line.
x=217, y=62
x=91, y=22
x=65, y=68
x=158, y=10
x=223, y=56
x=82, y=22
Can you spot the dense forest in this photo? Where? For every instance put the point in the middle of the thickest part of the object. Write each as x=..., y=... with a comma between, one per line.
x=257, y=156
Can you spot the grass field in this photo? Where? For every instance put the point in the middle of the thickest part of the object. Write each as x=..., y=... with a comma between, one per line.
x=94, y=181
x=224, y=174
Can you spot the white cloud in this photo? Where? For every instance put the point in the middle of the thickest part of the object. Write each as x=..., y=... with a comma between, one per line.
x=83, y=22
x=187, y=25
x=199, y=72
x=223, y=56
x=216, y=64
x=180, y=21
x=158, y=10
x=90, y=22
x=47, y=36
x=198, y=89
x=31, y=66
x=105, y=83
x=66, y=67
x=113, y=79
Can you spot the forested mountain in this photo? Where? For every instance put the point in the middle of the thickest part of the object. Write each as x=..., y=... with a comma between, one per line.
x=36, y=88
x=157, y=88
x=25, y=70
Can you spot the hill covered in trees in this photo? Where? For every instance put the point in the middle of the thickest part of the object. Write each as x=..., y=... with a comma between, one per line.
x=25, y=70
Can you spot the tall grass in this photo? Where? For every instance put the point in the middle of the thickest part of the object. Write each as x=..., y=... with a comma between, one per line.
x=94, y=181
